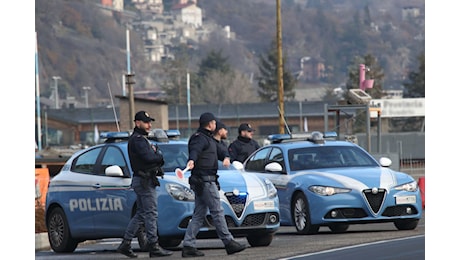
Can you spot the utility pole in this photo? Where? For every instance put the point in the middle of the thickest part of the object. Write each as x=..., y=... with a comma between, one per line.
x=86, y=89
x=130, y=82
x=56, y=94
x=280, y=67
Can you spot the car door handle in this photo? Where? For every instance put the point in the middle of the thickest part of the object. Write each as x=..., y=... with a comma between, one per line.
x=96, y=186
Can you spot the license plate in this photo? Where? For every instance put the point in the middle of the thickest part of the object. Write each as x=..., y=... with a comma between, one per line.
x=406, y=199
x=260, y=205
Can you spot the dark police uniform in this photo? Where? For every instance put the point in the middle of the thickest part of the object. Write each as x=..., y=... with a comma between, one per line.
x=241, y=148
x=142, y=154
x=203, y=150
x=145, y=159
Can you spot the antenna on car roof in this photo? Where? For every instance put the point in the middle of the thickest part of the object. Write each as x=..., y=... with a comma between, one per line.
x=284, y=120
x=113, y=106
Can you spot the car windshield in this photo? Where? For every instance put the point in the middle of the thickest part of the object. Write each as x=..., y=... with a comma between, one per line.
x=329, y=157
x=174, y=155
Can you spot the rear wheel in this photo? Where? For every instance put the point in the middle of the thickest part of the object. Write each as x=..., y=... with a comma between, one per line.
x=59, y=236
x=301, y=216
x=264, y=239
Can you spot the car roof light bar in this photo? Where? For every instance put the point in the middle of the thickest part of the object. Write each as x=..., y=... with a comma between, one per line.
x=315, y=137
x=172, y=133
x=156, y=134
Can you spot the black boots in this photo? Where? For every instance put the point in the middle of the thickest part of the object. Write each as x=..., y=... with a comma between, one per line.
x=125, y=248
x=188, y=251
x=156, y=250
x=234, y=247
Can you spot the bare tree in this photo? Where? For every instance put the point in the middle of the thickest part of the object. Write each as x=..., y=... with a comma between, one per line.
x=227, y=88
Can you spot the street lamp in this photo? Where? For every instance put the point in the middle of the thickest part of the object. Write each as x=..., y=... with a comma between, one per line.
x=86, y=89
x=56, y=94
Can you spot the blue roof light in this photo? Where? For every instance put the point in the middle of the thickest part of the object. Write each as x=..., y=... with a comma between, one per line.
x=315, y=136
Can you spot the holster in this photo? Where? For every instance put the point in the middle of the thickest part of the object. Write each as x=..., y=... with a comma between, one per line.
x=196, y=184
x=147, y=177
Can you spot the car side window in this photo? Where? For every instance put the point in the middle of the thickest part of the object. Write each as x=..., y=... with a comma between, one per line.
x=257, y=161
x=276, y=155
x=113, y=156
x=86, y=161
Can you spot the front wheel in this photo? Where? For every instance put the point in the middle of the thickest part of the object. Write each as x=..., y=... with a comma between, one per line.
x=338, y=228
x=301, y=216
x=264, y=239
x=408, y=224
x=59, y=236
x=170, y=242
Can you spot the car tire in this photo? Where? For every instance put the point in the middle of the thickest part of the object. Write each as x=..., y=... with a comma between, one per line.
x=59, y=236
x=170, y=242
x=301, y=216
x=260, y=239
x=406, y=224
x=338, y=228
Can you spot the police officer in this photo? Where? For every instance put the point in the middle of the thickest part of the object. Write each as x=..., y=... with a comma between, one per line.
x=244, y=145
x=146, y=161
x=220, y=135
x=203, y=157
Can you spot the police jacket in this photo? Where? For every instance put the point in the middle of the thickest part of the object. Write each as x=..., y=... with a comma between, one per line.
x=202, y=149
x=142, y=154
x=241, y=148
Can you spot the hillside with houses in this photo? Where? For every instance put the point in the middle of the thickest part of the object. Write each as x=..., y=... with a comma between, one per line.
x=83, y=46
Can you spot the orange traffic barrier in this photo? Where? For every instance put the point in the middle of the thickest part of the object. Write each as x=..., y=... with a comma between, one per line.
x=421, y=185
x=42, y=178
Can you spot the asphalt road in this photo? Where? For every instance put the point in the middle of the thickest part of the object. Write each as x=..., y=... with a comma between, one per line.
x=371, y=241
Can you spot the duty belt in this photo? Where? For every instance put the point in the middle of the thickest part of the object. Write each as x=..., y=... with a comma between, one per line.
x=209, y=178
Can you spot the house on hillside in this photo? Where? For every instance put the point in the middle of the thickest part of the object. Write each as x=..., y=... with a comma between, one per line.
x=188, y=13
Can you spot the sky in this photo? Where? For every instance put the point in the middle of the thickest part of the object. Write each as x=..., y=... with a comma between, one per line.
x=18, y=108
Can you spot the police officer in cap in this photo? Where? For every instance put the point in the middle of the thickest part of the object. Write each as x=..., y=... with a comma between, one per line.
x=203, y=158
x=244, y=145
x=146, y=161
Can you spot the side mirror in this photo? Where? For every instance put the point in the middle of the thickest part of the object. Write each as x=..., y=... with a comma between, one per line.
x=238, y=165
x=114, y=170
x=385, y=162
x=273, y=167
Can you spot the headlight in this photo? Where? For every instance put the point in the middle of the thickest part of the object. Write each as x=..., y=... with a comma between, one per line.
x=180, y=192
x=271, y=190
x=411, y=186
x=327, y=191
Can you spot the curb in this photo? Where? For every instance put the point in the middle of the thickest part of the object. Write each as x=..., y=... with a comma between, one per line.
x=41, y=241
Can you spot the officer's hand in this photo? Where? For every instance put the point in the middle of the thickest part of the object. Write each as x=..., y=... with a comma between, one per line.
x=190, y=164
x=226, y=162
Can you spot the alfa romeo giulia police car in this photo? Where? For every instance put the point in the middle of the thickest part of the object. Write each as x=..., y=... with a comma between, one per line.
x=90, y=198
x=334, y=183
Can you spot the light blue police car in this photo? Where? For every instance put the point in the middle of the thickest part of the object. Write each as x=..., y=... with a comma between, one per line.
x=332, y=183
x=90, y=198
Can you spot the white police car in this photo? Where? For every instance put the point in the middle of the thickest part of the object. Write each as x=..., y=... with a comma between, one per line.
x=90, y=198
x=334, y=183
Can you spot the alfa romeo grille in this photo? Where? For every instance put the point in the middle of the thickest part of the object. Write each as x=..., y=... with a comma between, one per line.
x=238, y=202
x=375, y=198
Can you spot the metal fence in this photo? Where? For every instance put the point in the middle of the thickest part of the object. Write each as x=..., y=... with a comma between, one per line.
x=416, y=168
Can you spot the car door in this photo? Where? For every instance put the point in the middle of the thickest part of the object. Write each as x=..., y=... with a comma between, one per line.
x=112, y=196
x=257, y=162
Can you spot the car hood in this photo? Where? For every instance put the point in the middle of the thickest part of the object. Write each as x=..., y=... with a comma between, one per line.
x=355, y=178
x=236, y=181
